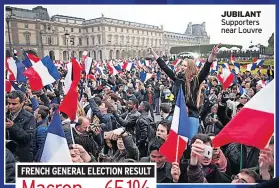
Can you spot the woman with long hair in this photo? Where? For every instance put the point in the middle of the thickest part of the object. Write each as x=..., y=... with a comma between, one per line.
x=190, y=79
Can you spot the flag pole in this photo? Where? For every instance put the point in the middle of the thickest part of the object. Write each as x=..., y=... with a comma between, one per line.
x=177, y=146
x=72, y=126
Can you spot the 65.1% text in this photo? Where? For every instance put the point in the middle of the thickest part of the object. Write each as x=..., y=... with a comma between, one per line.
x=127, y=184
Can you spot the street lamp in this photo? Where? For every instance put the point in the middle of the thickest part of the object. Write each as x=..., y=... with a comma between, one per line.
x=8, y=17
x=42, y=47
x=67, y=35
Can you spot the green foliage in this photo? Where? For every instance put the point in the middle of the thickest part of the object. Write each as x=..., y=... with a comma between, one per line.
x=271, y=41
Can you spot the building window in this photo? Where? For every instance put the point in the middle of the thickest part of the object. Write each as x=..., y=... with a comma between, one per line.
x=72, y=41
x=86, y=30
x=80, y=41
x=26, y=26
x=115, y=29
x=64, y=40
x=87, y=40
x=27, y=39
x=99, y=28
x=93, y=40
x=49, y=40
x=99, y=39
x=122, y=30
x=138, y=31
x=79, y=30
x=72, y=29
x=109, y=28
x=64, y=29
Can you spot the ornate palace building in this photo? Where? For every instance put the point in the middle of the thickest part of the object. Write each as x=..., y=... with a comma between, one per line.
x=104, y=38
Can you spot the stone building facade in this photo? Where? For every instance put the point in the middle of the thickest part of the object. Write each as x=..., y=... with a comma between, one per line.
x=104, y=38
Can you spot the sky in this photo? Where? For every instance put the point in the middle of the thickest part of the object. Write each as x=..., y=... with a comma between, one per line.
x=175, y=18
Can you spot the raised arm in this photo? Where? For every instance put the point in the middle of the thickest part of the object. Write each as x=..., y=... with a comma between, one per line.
x=163, y=65
x=206, y=68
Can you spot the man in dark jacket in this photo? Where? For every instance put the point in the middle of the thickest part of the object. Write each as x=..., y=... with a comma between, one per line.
x=149, y=96
x=85, y=136
x=40, y=114
x=10, y=167
x=20, y=126
x=128, y=120
x=144, y=131
x=66, y=125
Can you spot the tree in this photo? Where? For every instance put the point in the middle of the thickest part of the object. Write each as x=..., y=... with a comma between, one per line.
x=271, y=41
x=270, y=48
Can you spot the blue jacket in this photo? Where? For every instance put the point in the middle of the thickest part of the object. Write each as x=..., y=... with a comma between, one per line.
x=41, y=133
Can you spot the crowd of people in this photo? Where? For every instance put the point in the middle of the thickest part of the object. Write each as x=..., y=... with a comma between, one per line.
x=121, y=118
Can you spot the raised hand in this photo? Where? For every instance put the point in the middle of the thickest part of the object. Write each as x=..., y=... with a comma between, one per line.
x=214, y=53
x=196, y=150
x=265, y=161
x=175, y=171
x=82, y=152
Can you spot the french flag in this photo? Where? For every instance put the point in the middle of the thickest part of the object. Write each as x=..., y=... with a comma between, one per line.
x=258, y=62
x=8, y=86
x=55, y=148
x=15, y=70
x=237, y=68
x=226, y=78
x=144, y=76
x=88, y=65
x=226, y=66
x=100, y=70
x=214, y=67
x=128, y=65
x=118, y=68
x=260, y=124
x=176, y=62
x=180, y=133
x=11, y=68
x=91, y=77
x=41, y=73
x=69, y=104
x=112, y=70
x=250, y=67
x=11, y=86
